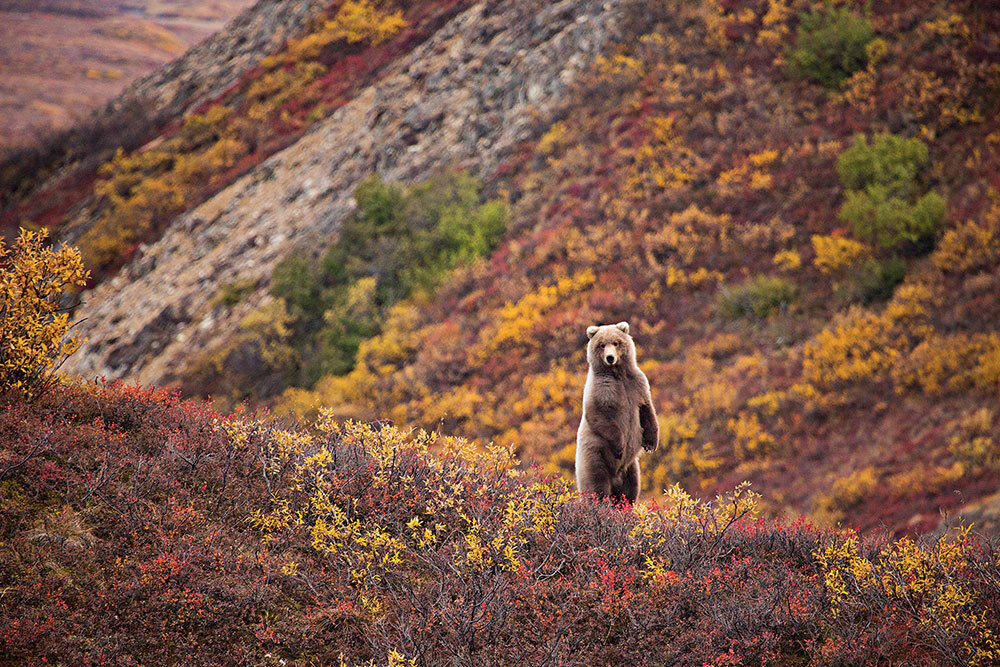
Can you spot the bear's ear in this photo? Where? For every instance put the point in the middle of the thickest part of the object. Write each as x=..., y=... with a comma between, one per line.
x=623, y=326
x=591, y=331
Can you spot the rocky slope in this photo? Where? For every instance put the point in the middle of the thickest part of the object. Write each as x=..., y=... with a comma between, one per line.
x=486, y=82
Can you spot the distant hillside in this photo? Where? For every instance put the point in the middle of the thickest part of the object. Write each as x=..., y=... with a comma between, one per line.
x=795, y=205
x=61, y=59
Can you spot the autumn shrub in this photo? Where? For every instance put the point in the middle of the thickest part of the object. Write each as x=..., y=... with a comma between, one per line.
x=830, y=45
x=757, y=298
x=971, y=245
x=355, y=21
x=141, y=528
x=138, y=192
x=119, y=514
x=942, y=593
x=860, y=343
x=973, y=443
x=886, y=203
x=836, y=254
x=33, y=326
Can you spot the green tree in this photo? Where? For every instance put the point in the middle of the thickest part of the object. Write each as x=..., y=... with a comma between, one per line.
x=830, y=45
x=885, y=200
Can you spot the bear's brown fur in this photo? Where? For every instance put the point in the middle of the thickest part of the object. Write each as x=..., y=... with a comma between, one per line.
x=618, y=416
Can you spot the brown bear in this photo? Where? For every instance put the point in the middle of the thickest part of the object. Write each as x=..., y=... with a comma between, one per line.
x=618, y=416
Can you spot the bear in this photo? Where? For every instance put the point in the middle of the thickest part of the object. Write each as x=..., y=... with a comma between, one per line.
x=618, y=416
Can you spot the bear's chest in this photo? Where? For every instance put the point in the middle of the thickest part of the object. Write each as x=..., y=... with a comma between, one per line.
x=612, y=395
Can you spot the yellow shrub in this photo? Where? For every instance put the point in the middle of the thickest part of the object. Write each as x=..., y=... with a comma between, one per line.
x=943, y=363
x=921, y=479
x=973, y=442
x=618, y=65
x=986, y=374
x=355, y=21
x=687, y=234
x=547, y=144
x=787, y=260
x=858, y=347
x=851, y=490
x=32, y=328
x=768, y=403
x=678, y=456
x=676, y=429
x=714, y=398
x=927, y=584
x=517, y=320
x=774, y=24
x=969, y=246
x=751, y=440
x=833, y=254
x=862, y=345
x=662, y=161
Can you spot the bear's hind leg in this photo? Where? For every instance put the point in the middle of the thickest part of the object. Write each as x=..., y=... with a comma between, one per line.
x=593, y=477
x=628, y=487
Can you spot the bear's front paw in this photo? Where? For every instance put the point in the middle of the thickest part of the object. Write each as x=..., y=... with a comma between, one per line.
x=650, y=445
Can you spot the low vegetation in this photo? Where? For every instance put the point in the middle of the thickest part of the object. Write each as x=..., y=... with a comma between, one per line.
x=643, y=201
x=140, y=528
x=756, y=298
x=884, y=201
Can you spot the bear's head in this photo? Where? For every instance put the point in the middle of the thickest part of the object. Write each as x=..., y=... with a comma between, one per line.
x=610, y=347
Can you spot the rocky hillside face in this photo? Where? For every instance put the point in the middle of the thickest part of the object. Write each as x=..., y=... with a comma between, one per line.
x=487, y=81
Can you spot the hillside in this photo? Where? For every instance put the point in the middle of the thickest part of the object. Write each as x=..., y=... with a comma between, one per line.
x=141, y=529
x=60, y=59
x=795, y=206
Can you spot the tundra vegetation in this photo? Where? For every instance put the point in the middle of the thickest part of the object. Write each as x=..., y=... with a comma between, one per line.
x=797, y=278
x=138, y=527
x=807, y=280
x=847, y=211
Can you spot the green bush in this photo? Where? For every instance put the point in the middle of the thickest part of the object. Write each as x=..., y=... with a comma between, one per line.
x=830, y=45
x=877, y=279
x=890, y=160
x=351, y=320
x=400, y=239
x=887, y=220
x=885, y=200
x=756, y=298
x=233, y=292
x=294, y=281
